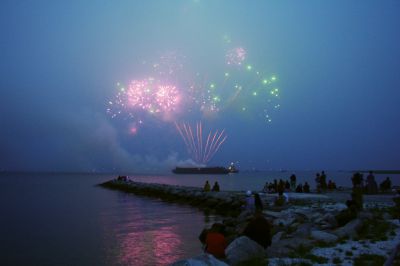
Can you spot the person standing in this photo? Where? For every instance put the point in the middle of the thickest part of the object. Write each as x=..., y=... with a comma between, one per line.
x=293, y=179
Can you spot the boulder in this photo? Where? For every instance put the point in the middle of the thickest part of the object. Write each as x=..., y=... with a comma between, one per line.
x=277, y=237
x=350, y=229
x=273, y=214
x=286, y=221
x=365, y=215
x=303, y=231
x=330, y=220
x=323, y=236
x=286, y=246
x=242, y=249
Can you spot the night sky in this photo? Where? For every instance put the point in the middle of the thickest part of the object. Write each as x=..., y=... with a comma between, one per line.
x=335, y=65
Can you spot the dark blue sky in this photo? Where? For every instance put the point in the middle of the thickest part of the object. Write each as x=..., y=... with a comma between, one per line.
x=337, y=61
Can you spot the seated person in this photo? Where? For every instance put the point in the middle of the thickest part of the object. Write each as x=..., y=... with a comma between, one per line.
x=215, y=187
x=215, y=242
x=206, y=186
x=259, y=230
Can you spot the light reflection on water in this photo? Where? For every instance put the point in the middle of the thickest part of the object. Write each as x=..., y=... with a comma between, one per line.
x=151, y=232
x=66, y=220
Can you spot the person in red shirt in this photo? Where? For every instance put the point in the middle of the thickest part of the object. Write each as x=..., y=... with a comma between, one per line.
x=215, y=242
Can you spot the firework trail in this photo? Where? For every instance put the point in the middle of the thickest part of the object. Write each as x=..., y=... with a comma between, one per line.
x=193, y=140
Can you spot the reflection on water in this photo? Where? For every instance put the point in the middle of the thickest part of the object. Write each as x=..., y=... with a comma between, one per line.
x=154, y=233
x=65, y=220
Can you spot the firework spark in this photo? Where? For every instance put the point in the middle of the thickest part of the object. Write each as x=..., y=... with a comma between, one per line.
x=202, y=150
x=236, y=56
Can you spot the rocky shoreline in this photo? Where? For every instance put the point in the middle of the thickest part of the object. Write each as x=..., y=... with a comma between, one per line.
x=305, y=231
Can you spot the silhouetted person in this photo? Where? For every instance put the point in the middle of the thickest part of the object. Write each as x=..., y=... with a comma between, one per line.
x=287, y=185
x=318, y=182
x=371, y=187
x=206, y=186
x=281, y=187
x=266, y=187
x=357, y=180
x=271, y=188
x=275, y=186
x=293, y=181
x=258, y=203
x=250, y=204
x=330, y=185
x=386, y=185
x=259, y=230
x=216, y=186
x=214, y=240
x=299, y=189
x=323, y=180
x=306, y=188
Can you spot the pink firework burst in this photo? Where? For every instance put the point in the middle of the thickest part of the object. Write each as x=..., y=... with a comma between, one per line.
x=236, y=56
x=139, y=95
x=167, y=98
x=152, y=96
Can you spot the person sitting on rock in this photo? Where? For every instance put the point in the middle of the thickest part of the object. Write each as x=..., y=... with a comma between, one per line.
x=357, y=180
x=371, y=187
x=215, y=187
x=206, y=187
x=214, y=241
x=250, y=204
x=259, y=230
x=299, y=188
x=386, y=185
x=258, y=203
x=306, y=188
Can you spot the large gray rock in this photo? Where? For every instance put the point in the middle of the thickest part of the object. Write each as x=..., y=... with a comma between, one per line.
x=285, y=221
x=273, y=214
x=330, y=220
x=285, y=246
x=242, y=249
x=323, y=236
x=365, y=215
x=277, y=237
x=350, y=229
x=303, y=231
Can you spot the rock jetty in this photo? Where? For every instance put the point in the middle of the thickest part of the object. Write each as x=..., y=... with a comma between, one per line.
x=226, y=203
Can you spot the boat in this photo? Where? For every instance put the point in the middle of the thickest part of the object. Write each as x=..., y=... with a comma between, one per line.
x=233, y=169
x=201, y=170
x=216, y=170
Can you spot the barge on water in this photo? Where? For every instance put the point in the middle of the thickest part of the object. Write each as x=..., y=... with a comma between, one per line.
x=217, y=170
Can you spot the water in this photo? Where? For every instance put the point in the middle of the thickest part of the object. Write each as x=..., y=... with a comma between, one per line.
x=64, y=219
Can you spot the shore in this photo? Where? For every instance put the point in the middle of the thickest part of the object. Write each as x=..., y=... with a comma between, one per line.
x=304, y=230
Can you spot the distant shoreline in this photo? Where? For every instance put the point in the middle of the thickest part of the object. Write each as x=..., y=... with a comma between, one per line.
x=388, y=172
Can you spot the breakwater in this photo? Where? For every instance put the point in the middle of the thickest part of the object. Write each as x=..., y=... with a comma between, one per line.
x=227, y=203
